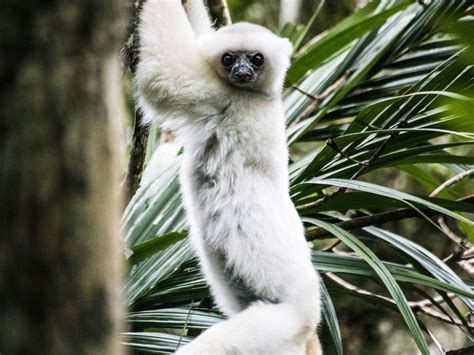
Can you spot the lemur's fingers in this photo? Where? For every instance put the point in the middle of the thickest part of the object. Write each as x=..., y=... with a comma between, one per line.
x=184, y=2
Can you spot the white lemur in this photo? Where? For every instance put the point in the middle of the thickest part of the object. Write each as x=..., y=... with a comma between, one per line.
x=221, y=92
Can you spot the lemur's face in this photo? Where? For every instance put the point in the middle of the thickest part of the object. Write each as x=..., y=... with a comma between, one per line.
x=248, y=57
x=242, y=67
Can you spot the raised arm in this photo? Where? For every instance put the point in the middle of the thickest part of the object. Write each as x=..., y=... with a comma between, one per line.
x=198, y=16
x=172, y=75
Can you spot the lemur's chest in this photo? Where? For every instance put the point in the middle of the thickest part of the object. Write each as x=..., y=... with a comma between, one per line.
x=226, y=156
x=235, y=153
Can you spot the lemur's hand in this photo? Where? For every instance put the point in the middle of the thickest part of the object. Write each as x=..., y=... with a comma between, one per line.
x=184, y=2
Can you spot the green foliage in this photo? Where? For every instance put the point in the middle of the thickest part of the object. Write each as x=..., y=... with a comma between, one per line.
x=378, y=92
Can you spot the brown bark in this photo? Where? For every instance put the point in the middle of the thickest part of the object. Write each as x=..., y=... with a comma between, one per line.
x=219, y=12
x=60, y=111
x=130, y=46
x=136, y=162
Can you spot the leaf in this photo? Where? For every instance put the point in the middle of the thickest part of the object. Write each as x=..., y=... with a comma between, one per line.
x=182, y=287
x=174, y=318
x=155, y=269
x=386, y=277
x=330, y=262
x=337, y=38
x=152, y=246
x=367, y=57
x=428, y=260
x=363, y=200
x=362, y=82
x=299, y=40
x=330, y=319
x=153, y=342
x=387, y=192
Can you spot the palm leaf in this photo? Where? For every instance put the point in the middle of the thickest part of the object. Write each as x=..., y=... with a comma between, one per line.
x=382, y=86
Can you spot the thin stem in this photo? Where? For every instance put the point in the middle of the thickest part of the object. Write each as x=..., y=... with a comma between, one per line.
x=314, y=105
x=454, y=180
x=332, y=144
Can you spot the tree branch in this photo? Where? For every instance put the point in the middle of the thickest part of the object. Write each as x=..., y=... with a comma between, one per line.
x=376, y=219
x=365, y=166
x=422, y=306
x=448, y=232
x=333, y=145
x=314, y=105
x=455, y=179
x=463, y=256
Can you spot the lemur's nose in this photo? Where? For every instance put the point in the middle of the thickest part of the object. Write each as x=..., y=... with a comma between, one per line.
x=243, y=75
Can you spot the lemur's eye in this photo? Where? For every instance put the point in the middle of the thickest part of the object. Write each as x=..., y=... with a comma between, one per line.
x=258, y=59
x=227, y=59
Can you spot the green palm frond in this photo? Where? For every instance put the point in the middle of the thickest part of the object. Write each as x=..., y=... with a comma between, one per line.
x=388, y=88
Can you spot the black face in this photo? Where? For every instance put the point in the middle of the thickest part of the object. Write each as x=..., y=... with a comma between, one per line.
x=242, y=67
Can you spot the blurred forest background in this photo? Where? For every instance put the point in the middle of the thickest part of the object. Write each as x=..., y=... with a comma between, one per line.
x=379, y=103
x=276, y=14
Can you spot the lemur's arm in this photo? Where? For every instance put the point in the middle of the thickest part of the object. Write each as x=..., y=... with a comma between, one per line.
x=198, y=16
x=171, y=72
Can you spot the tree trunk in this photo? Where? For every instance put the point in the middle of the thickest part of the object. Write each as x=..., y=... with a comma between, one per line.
x=138, y=144
x=60, y=113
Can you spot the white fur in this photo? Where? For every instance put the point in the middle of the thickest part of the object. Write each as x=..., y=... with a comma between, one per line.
x=198, y=17
x=234, y=179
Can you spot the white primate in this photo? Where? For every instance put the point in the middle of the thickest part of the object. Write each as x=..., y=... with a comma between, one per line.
x=221, y=92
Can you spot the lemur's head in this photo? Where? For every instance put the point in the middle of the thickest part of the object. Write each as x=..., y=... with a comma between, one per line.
x=248, y=56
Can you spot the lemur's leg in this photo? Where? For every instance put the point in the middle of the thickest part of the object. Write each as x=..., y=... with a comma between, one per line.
x=260, y=329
